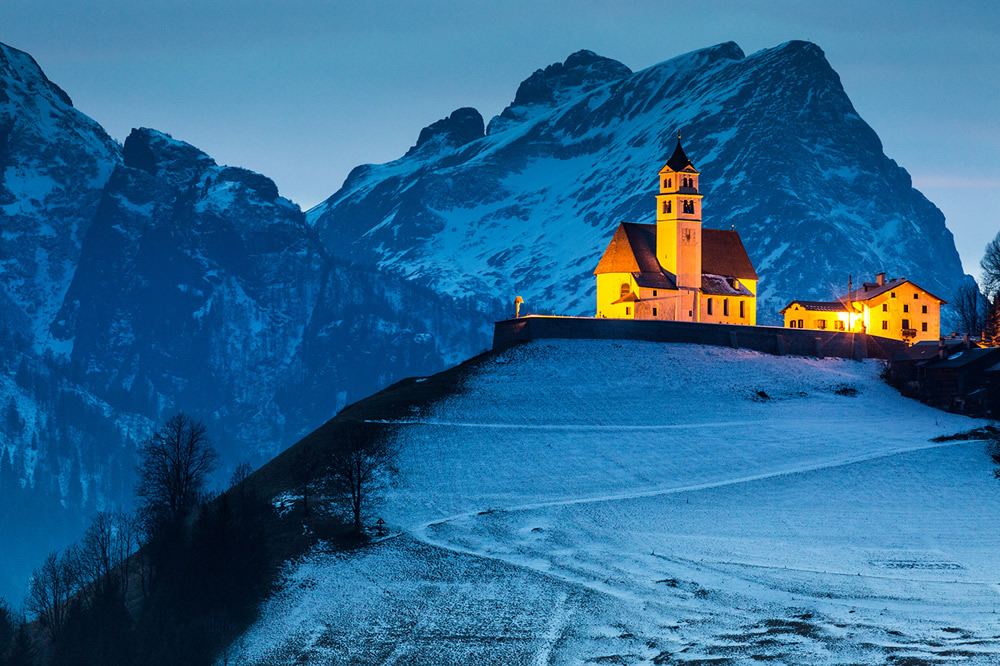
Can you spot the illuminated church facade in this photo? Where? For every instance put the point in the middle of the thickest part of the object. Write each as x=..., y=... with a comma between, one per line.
x=674, y=270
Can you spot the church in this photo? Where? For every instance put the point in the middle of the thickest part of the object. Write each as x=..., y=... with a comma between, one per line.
x=674, y=270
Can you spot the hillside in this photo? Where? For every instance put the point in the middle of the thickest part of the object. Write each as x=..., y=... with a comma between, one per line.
x=631, y=502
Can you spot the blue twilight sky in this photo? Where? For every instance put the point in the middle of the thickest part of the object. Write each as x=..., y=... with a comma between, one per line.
x=304, y=90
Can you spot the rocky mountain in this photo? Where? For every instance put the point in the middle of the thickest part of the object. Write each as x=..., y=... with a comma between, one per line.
x=528, y=205
x=145, y=279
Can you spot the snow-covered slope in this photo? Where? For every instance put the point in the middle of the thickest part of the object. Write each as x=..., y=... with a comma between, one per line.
x=707, y=503
x=528, y=207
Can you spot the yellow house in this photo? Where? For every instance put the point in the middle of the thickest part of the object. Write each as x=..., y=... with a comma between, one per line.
x=897, y=309
x=674, y=270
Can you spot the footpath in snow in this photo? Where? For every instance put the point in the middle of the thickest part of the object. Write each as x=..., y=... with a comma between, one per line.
x=636, y=502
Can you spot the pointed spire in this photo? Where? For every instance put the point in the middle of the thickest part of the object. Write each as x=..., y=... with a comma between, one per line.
x=679, y=160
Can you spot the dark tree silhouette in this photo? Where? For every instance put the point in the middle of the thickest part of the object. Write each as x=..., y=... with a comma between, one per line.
x=173, y=468
x=52, y=587
x=360, y=453
x=990, y=264
x=970, y=307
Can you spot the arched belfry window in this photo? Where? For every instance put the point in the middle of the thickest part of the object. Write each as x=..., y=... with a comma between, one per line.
x=666, y=206
x=625, y=289
x=670, y=182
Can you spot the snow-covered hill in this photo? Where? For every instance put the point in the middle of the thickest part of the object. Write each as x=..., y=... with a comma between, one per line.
x=706, y=504
x=528, y=205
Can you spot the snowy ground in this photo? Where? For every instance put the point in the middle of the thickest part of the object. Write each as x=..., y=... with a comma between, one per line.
x=629, y=502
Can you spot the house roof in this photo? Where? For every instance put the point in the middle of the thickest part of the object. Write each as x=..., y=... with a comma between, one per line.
x=679, y=161
x=968, y=357
x=818, y=306
x=868, y=291
x=633, y=250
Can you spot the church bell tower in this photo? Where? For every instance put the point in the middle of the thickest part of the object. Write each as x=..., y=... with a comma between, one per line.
x=678, y=223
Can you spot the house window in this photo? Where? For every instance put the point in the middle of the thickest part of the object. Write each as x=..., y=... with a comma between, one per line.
x=627, y=311
x=923, y=309
x=821, y=323
x=923, y=327
x=916, y=296
x=893, y=295
x=885, y=326
x=885, y=307
x=742, y=311
x=624, y=289
x=725, y=307
x=906, y=323
x=906, y=308
x=654, y=312
x=839, y=325
x=709, y=306
x=800, y=324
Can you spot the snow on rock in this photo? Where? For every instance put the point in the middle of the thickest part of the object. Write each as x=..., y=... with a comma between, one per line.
x=529, y=208
x=633, y=502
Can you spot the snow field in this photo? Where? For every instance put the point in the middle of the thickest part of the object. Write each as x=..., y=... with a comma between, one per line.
x=632, y=502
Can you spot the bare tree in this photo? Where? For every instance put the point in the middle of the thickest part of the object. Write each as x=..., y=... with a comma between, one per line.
x=360, y=453
x=970, y=306
x=52, y=587
x=104, y=552
x=990, y=264
x=173, y=468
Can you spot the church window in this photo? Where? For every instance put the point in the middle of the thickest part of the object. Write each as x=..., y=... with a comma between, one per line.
x=666, y=206
x=885, y=326
x=624, y=290
x=627, y=310
x=654, y=292
x=709, y=306
x=670, y=182
x=801, y=324
x=923, y=327
x=725, y=307
x=906, y=308
x=654, y=312
x=742, y=311
x=923, y=309
x=885, y=307
x=791, y=324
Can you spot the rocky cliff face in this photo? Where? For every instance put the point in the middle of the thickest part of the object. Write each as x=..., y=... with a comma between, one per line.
x=145, y=279
x=530, y=207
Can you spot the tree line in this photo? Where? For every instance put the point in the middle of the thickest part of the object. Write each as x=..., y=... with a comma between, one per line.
x=978, y=306
x=178, y=579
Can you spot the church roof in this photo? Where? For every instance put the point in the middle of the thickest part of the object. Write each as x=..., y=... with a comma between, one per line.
x=633, y=250
x=722, y=253
x=678, y=161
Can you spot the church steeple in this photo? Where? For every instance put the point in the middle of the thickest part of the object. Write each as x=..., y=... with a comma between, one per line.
x=678, y=219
